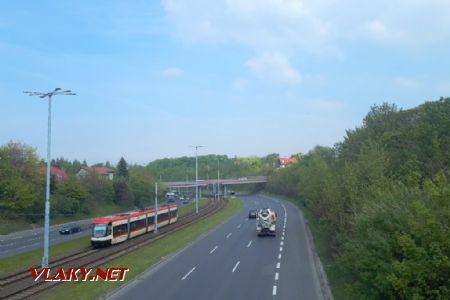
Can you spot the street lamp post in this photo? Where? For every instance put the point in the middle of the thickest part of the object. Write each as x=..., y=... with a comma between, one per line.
x=218, y=178
x=196, y=177
x=156, y=207
x=56, y=92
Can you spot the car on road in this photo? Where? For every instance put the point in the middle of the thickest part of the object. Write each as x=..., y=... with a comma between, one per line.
x=71, y=228
x=252, y=214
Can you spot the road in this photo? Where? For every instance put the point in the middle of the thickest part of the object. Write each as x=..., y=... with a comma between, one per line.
x=24, y=241
x=232, y=262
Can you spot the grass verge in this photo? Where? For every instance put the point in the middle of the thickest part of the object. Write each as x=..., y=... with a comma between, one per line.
x=144, y=258
x=34, y=257
x=321, y=238
x=190, y=208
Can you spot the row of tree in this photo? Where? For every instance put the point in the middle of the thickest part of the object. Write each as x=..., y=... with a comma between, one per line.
x=22, y=181
x=383, y=197
x=183, y=168
x=22, y=186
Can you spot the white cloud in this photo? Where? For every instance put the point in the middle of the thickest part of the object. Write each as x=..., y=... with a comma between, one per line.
x=408, y=82
x=331, y=105
x=240, y=84
x=311, y=25
x=172, y=72
x=320, y=27
x=274, y=67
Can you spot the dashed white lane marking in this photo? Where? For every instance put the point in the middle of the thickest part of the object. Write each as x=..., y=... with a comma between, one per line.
x=279, y=256
x=282, y=238
x=228, y=235
x=276, y=276
x=281, y=249
x=282, y=243
x=249, y=244
x=274, y=290
x=235, y=266
x=214, y=249
x=188, y=273
x=239, y=226
x=278, y=265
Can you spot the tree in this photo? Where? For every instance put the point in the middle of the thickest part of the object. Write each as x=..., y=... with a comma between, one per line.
x=21, y=179
x=122, y=194
x=122, y=168
x=383, y=196
x=69, y=196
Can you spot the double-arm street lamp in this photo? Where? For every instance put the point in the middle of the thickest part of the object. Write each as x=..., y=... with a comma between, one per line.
x=56, y=92
x=196, y=177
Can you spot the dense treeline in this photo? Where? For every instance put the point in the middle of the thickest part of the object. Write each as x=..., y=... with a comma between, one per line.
x=383, y=197
x=22, y=186
x=183, y=168
x=22, y=181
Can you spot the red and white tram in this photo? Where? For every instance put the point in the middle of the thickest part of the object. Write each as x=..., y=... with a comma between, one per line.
x=118, y=228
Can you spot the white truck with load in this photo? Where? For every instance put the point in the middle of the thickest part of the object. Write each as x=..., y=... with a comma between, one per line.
x=265, y=222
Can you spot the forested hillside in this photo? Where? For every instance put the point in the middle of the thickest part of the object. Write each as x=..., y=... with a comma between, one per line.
x=383, y=198
x=183, y=168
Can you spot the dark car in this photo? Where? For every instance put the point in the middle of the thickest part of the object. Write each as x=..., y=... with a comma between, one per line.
x=68, y=229
x=252, y=214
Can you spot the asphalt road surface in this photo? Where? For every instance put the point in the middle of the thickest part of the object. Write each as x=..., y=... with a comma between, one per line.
x=232, y=262
x=24, y=241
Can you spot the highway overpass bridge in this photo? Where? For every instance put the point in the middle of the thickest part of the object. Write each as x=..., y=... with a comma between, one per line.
x=213, y=182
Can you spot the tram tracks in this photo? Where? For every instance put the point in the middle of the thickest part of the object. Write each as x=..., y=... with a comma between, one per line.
x=20, y=285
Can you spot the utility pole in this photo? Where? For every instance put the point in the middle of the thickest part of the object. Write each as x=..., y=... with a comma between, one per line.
x=196, y=177
x=56, y=92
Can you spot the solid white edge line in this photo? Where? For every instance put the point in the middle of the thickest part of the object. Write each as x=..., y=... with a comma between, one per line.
x=188, y=273
x=235, y=266
x=249, y=244
x=214, y=249
x=274, y=290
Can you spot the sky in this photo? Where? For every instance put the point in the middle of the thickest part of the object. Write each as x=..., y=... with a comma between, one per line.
x=239, y=77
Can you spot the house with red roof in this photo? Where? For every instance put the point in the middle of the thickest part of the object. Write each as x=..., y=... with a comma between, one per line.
x=103, y=172
x=284, y=162
x=58, y=174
